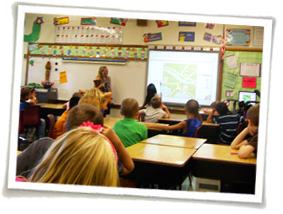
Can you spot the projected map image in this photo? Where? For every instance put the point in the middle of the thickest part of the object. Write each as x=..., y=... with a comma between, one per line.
x=179, y=80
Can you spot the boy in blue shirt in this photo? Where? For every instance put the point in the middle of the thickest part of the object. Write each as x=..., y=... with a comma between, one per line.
x=129, y=130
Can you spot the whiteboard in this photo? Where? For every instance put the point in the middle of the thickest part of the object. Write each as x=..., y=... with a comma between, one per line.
x=127, y=80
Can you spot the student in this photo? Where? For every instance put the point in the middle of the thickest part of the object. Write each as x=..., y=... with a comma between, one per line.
x=102, y=99
x=212, y=105
x=90, y=100
x=59, y=125
x=248, y=146
x=25, y=95
x=129, y=130
x=31, y=156
x=82, y=156
x=32, y=99
x=187, y=127
x=155, y=111
x=67, y=104
x=228, y=122
x=150, y=93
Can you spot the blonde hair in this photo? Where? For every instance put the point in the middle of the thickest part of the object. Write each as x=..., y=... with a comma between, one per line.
x=100, y=72
x=81, y=156
x=98, y=94
x=89, y=100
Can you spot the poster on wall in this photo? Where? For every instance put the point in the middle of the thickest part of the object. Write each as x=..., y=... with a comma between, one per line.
x=187, y=24
x=88, y=21
x=250, y=69
x=162, y=23
x=186, y=36
x=118, y=21
x=88, y=34
x=150, y=37
x=61, y=21
x=238, y=37
x=212, y=38
x=231, y=80
x=249, y=82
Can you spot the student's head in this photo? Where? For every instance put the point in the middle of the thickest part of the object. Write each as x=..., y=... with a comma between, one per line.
x=98, y=94
x=221, y=108
x=150, y=92
x=129, y=108
x=192, y=106
x=102, y=71
x=73, y=102
x=81, y=156
x=253, y=118
x=212, y=105
x=77, y=94
x=155, y=102
x=25, y=93
x=83, y=113
x=90, y=100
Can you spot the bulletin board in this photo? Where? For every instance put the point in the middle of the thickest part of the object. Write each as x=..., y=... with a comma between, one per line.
x=241, y=72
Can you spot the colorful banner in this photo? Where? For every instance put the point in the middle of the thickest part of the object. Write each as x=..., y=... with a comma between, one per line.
x=150, y=37
x=186, y=36
x=187, y=24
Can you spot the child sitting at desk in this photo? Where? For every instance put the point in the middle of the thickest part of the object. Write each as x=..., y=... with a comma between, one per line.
x=187, y=127
x=155, y=110
x=102, y=99
x=59, y=125
x=228, y=122
x=129, y=130
x=246, y=147
x=25, y=96
x=32, y=99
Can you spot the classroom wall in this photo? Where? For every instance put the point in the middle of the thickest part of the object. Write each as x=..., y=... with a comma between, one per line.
x=132, y=36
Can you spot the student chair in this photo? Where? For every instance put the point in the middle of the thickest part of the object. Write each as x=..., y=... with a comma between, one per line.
x=31, y=117
x=208, y=132
x=141, y=116
x=51, y=120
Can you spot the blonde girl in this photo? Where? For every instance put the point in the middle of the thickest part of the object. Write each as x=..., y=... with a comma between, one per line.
x=81, y=156
x=102, y=99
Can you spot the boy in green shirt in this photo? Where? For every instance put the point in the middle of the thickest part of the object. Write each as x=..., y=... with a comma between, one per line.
x=129, y=130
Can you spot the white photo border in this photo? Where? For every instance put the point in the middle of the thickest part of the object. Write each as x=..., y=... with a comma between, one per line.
x=17, y=76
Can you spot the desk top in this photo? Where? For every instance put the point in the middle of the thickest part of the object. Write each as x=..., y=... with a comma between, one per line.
x=204, y=123
x=222, y=153
x=51, y=105
x=163, y=155
x=175, y=141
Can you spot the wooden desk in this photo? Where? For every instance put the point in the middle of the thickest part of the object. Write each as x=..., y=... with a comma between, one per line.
x=51, y=108
x=216, y=162
x=175, y=141
x=110, y=121
x=157, y=164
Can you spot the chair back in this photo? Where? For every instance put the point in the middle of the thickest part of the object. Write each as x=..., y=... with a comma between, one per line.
x=241, y=126
x=51, y=120
x=141, y=116
x=197, y=132
x=31, y=116
x=21, y=122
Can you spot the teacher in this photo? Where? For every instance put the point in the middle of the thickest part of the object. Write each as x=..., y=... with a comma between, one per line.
x=105, y=85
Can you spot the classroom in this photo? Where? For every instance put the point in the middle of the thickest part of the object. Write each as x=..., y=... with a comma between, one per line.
x=63, y=53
